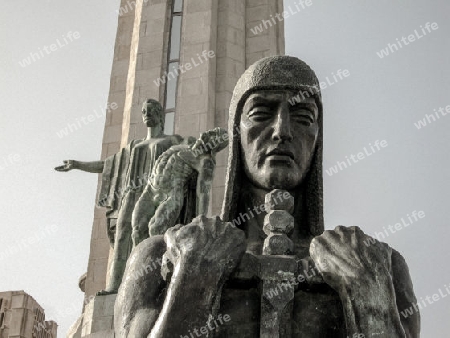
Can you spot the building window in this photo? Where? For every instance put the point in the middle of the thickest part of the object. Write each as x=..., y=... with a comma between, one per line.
x=173, y=61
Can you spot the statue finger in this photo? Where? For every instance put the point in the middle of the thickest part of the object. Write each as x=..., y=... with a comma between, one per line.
x=61, y=168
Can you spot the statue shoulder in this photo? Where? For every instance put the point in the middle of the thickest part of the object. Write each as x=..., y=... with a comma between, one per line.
x=166, y=155
x=189, y=140
x=404, y=294
x=400, y=270
x=134, y=144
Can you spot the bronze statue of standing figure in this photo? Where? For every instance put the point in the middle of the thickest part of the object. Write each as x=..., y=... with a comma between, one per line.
x=124, y=176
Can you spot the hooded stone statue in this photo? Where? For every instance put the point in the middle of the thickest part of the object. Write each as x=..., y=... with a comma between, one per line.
x=284, y=73
x=275, y=142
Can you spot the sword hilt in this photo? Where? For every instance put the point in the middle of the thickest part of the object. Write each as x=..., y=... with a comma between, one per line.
x=278, y=223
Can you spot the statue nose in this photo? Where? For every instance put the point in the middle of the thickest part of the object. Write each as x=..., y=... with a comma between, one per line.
x=282, y=127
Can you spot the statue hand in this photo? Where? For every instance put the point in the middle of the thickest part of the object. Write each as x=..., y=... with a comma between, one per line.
x=207, y=246
x=68, y=165
x=347, y=258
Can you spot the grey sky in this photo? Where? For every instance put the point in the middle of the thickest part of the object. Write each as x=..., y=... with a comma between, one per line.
x=381, y=99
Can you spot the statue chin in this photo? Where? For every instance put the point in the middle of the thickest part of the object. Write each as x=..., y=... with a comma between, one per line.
x=277, y=179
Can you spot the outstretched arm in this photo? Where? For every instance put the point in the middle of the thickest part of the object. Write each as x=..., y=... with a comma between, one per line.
x=95, y=167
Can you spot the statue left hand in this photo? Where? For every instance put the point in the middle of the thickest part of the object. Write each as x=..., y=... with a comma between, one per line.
x=349, y=259
x=68, y=165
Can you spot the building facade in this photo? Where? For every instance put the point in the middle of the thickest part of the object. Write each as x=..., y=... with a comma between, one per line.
x=22, y=317
x=188, y=54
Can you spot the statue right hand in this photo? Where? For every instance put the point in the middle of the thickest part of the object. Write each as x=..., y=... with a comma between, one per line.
x=206, y=246
x=68, y=165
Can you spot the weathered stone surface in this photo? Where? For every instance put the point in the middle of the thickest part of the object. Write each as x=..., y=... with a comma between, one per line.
x=210, y=275
x=278, y=221
x=99, y=315
x=279, y=199
x=141, y=28
x=178, y=170
x=123, y=178
x=278, y=244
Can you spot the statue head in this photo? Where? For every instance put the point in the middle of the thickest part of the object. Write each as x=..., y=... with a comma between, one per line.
x=275, y=127
x=152, y=113
x=277, y=138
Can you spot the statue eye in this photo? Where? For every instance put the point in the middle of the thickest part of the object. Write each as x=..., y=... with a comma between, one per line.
x=260, y=113
x=302, y=116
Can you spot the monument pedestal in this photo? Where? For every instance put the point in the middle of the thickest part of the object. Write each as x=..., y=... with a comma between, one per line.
x=98, y=318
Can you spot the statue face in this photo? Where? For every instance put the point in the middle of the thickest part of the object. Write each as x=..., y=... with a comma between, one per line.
x=277, y=139
x=151, y=113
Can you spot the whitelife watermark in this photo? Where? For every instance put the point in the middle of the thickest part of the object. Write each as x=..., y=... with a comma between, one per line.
x=403, y=223
x=9, y=161
x=28, y=241
x=290, y=11
x=79, y=122
x=139, y=183
x=211, y=144
x=430, y=118
x=67, y=39
x=145, y=269
x=187, y=66
x=353, y=159
x=429, y=300
x=128, y=7
x=405, y=41
x=306, y=275
x=210, y=326
x=258, y=209
x=313, y=90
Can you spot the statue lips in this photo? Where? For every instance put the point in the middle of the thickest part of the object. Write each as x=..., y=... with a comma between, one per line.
x=279, y=154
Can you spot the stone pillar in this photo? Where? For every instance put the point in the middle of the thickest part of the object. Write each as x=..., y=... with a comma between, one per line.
x=271, y=40
x=149, y=43
x=237, y=48
x=230, y=65
x=99, y=248
x=204, y=92
x=98, y=319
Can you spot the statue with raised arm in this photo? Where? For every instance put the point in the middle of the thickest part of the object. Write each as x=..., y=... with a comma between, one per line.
x=161, y=202
x=124, y=176
x=253, y=265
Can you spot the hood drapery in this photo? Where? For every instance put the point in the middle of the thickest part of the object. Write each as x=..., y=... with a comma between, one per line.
x=273, y=73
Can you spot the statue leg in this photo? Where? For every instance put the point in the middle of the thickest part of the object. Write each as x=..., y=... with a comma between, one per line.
x=139, y=299
x=142, y=213
x=167, y=213
x=122, y=244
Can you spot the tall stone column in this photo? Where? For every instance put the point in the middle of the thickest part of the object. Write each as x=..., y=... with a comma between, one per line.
x=203, y=93
x=99, y=248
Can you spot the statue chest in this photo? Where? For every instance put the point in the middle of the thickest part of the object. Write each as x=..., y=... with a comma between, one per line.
x=315, y=314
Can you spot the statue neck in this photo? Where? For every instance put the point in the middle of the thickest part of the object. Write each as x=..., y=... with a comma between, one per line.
x=154, y=132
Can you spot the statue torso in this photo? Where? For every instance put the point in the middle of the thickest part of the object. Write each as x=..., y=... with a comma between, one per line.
x=144, y=156
x=316, y=314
